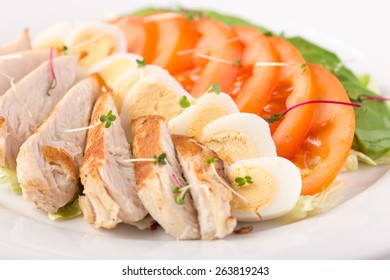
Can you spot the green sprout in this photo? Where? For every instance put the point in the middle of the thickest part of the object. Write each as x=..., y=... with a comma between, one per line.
x=184, y=102
x=241, y=181
x=160, y=159
x=108, y=119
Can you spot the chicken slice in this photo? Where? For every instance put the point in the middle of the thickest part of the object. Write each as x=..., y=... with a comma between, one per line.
x=26, y=105
x=109, y=181
x=211, y=197
x=48, y=162
x=12, y=70
x=22, y=43
x=155, y=182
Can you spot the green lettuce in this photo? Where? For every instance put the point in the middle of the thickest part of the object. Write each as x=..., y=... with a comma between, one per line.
x=372, y=133
x=8, y=176
x=69, y=211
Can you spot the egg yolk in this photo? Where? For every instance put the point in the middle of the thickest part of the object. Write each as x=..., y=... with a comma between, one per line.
x=122, y=87
x=260, y=193
x=231, y=146
x=204, y=117
x=153, y=98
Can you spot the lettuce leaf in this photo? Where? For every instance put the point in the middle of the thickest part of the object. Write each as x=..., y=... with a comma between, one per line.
x=8, y=176
x=67, y=212
x=372, y=133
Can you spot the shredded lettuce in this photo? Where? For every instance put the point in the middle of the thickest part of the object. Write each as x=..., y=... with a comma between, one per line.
x=8, y=176
x=67, y=212
x=354, y=157
x=310, y=205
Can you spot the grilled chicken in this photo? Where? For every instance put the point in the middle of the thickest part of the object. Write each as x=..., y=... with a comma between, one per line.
x=12, y=70
x=211, y=197
x=109, y=181
x=26, y=105
x=155, y=182
x=49, y=160
x=23, y=43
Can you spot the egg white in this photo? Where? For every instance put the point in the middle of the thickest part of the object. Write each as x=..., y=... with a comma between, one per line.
x=288, y=187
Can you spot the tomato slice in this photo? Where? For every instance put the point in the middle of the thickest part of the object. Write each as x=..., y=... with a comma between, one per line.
x=294, y=86
x=329, y=140
x=175, y=34
x=217, y=41
x=141, y=36
x=254, y=85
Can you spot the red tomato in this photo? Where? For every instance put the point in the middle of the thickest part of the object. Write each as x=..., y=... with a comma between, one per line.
x=254, y=85
x=294, y=86
x=175, y=35
x=330, y=137
x=215, y=41
x=141, y=36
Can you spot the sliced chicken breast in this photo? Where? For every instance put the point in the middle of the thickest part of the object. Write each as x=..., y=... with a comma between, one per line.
x=211, y=197
x=48, y=162
x=156, y=181
x=22, y=43
x=12, y=70
x=26, y=105
x=109, y=181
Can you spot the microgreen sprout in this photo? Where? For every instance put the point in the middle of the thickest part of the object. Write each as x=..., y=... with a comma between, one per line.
x=160, y=159
x=65, y=49
x=141, y=63
x=10, y=56
x=184, y=102
x=180, y=199
x=108, y=119
x=53, y=75
x=216, y=88
x=277, y=117
x=196, y=50
x=237, y=62
x=303, y=67
x=216, y=59
x=211, y=162
x=364, y=97
x=241, y=181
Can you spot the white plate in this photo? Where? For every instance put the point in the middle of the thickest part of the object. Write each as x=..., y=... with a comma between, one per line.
x=359, y=228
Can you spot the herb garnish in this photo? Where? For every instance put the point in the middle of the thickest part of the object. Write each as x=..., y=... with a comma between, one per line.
x=180, y=199
x=108, y=119
x=241, y=181
x=211, y=162
x=184, y=102
x=277, y=117
x=141, y=63
x=160, y=159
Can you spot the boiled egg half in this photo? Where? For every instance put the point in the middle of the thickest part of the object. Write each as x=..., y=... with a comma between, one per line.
x=239, y=136
x=113, y=66
x=273, y=192
x=94, y=41
x=209, y=107
x=157, y=94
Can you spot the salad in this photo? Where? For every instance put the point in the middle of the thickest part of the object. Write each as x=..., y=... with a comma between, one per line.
x=217, y=66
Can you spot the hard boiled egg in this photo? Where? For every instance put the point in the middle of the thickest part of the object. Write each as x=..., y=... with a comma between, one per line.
x=54, y=36
x=157, y=94
x=274, y=191
x=128, y=79
x=113, y=66
x=239, y=136
x=95, y=41
x=209, y=107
